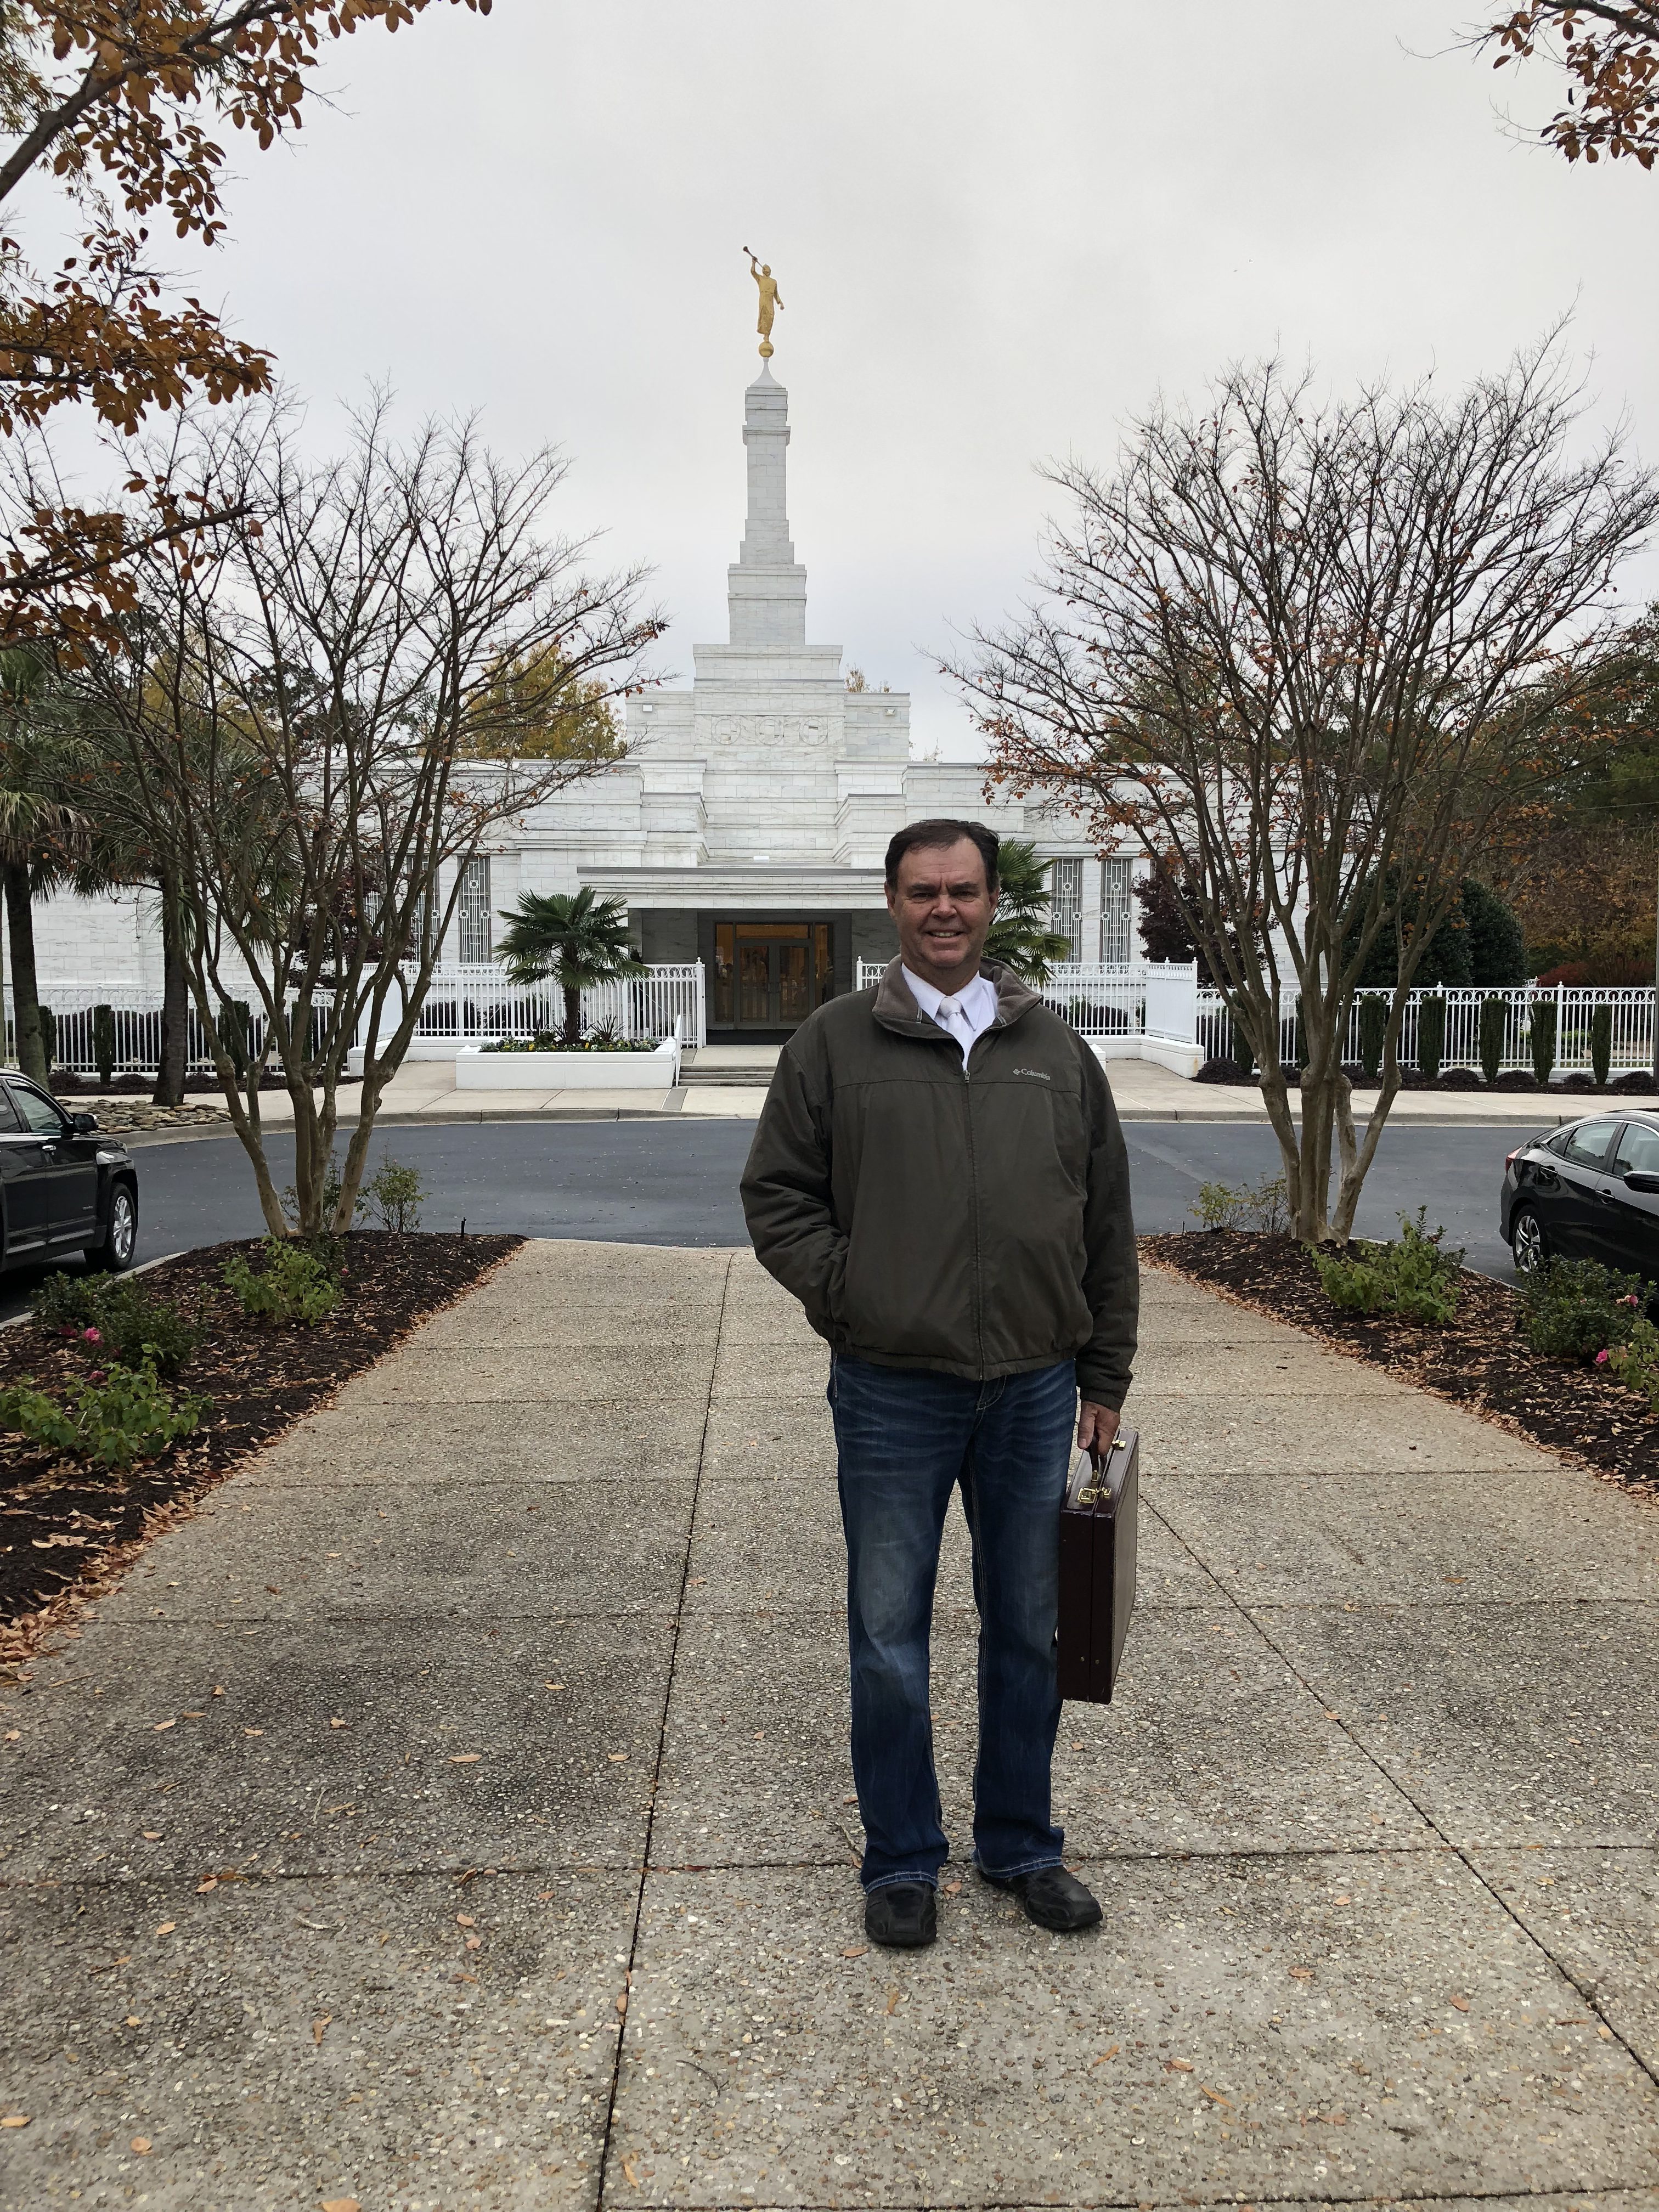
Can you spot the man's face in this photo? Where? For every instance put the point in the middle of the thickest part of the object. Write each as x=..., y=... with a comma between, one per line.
x=944, y=912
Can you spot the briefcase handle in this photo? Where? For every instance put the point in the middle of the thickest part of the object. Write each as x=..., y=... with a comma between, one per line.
x=1093, y=1492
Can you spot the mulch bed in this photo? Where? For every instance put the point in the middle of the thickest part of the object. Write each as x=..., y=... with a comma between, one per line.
x=1479, y=1361
x=64, y=1524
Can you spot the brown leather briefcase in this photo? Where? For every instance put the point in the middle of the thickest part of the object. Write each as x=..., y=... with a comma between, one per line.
x=1097, y=1568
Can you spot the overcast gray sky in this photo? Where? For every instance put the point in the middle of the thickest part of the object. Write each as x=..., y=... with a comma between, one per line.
x=1000, y=231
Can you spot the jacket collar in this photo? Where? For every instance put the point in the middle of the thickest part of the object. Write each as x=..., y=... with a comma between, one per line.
x=896, y=1008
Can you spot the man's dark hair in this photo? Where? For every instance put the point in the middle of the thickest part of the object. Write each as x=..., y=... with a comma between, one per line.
x=925, y=835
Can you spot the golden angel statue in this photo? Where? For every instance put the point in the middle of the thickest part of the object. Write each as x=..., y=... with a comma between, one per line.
x=770, y=300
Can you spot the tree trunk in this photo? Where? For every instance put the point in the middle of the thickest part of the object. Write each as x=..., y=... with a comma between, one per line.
x=572, y=1014
x=175, y=1004
x=25, y=994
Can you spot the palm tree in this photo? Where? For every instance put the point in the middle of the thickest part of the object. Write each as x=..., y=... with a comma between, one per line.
x=579, y=940
x=42, y=834
x=1020, y=936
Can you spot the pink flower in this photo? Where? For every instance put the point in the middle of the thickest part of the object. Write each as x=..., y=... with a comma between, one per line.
x=1629, y=1301
x=90, y=1336
x=96, y=1376
x=1600, y=1359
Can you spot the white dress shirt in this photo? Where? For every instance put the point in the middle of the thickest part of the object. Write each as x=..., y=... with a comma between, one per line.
x=964, y=1018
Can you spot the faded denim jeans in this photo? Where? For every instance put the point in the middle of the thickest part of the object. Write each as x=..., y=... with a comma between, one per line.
x=905, y=1440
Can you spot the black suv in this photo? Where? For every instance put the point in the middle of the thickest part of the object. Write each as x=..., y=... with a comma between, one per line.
x=63, y=1189
x=1587, y=1192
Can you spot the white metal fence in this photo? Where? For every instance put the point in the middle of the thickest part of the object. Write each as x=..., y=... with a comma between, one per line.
x=1631, y=1013
x=132, y=1039
x=1166, y=1000
x=462, y=1003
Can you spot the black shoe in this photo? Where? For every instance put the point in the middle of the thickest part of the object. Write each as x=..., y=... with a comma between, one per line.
x=1054, y=1899
x=901, y=1915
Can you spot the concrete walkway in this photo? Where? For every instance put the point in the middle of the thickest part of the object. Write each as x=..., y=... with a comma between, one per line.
x=424, y=1091
x=502, y=1707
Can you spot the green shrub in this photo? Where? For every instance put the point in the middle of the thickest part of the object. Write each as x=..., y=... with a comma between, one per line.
x=1541, y=1038
x=397, y=1193
x=1600, y=1043
x=1573, y=1309
x=1373, y=1029
x=103, y=1042
x=122, y=1415
x=133, y=1325
x=1415, y=1278
x=1430, y=1036
x=1261, y=1207
x=1494, y=1035
x=294, y=1285
x=1636, y=1361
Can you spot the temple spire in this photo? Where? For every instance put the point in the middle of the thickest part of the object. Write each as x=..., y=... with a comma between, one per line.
x=766, y=587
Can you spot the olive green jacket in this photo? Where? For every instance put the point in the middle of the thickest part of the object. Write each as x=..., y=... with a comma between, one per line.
x=974, y=1223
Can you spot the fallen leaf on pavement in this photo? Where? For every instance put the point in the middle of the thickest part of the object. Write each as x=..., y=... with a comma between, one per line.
x=894, y=1998
x=618, y=1758
x=166, y=1928
x=1302, y=1973
x=334, y=1721
x=474, y=1943
x=1177, y=2066
x=160, y=1725
x=253, y=1731
x=133, y=2020
x=14, y=1735
x=465, y=1920
x=141, y=2144
x=622, y=2001
x=1462, y=2003
x=1105, y=2055
x=340, y=2204
x=464, y=1758
x=202, y=1888
x=152, y=1835
x=14, y=2120
x=953, y=1889
x=317, y=2028
x=1215, y=2096
x=628, y=2168
x=856, y=1951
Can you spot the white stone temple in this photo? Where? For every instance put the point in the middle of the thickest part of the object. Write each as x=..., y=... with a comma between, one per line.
x=746, y=827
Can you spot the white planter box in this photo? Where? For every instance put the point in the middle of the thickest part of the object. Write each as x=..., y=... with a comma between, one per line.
x=569, y=1070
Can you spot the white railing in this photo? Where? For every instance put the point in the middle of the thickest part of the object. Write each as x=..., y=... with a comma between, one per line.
x=135, y=1029
x=1631, y=1041
x=1157, y=999
x=462, y=1003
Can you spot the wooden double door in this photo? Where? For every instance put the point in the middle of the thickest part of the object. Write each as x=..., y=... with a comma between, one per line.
x=769, y=975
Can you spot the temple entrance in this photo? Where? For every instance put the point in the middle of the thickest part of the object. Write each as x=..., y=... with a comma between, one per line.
x=769, y=975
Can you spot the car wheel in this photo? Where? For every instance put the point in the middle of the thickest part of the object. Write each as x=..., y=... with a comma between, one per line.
x=120, y=1243
x=1528, y=1241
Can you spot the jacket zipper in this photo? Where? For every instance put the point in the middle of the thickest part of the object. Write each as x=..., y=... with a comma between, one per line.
x=973, y=1186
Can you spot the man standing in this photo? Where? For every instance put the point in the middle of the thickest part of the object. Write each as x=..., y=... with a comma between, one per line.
x=939, y=1177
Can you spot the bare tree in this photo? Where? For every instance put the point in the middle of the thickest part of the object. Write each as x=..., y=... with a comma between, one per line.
x=312, y=713
x=1310, y=653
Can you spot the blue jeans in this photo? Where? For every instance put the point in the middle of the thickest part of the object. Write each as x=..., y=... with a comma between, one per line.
x=905, y=1439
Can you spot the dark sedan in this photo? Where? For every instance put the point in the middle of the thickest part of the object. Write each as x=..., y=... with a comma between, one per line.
x=64, y=1189
x=1587, y=1192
